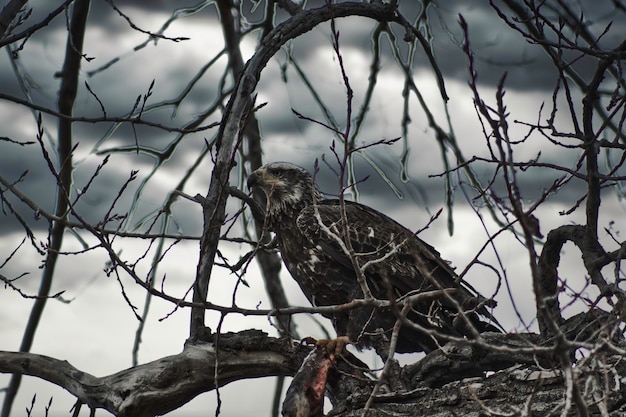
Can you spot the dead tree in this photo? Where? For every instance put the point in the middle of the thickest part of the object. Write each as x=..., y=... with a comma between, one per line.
x=571, y=366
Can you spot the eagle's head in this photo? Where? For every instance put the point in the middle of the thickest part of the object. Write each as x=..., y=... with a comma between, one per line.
x=288, y=188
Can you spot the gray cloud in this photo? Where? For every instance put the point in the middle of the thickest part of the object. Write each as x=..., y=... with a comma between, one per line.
x=530, y=82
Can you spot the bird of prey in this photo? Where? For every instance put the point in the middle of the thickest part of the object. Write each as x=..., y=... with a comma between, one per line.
x=338, y=251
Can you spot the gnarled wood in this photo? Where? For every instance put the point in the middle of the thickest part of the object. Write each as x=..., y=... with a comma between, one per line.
x=165, y=384
x=157, y=387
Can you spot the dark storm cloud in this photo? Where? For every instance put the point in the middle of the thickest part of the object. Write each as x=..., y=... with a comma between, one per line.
x=429, y=192
x=102, y=10
x=39, y=60
x=498, y=49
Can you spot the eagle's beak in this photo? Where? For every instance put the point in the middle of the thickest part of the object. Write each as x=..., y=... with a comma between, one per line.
x=261, y=178
x=254, y=180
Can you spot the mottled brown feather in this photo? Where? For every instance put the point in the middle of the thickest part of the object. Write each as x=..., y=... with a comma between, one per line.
x=309, y=227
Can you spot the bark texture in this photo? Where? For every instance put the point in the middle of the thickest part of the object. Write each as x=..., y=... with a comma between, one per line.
x=438, y=385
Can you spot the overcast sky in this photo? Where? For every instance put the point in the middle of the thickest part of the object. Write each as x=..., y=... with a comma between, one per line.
x=94, y=328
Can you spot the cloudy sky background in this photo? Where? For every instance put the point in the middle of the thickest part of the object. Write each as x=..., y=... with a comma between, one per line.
x=94, y=329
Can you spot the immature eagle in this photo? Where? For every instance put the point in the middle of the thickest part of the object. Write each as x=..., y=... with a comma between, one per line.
x=395, y=263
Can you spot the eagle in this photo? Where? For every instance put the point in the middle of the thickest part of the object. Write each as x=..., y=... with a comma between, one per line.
x=339, y=250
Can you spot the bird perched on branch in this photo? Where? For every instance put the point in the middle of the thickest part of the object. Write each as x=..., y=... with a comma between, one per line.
x=339, y=252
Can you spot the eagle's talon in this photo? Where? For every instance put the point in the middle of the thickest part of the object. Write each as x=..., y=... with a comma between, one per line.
x=332, y=347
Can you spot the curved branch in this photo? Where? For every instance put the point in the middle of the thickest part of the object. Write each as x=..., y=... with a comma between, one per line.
x=594, y=257
x=165, y=384
x=233, y=124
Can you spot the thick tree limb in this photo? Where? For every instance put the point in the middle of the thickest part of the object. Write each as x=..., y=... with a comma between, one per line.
x=163, y=385
x=517, y=391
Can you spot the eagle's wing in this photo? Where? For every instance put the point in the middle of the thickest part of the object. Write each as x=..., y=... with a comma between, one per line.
x=394, y=257
x=376, y=239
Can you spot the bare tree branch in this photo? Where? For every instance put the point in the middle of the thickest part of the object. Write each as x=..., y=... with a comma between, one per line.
x=163, y=385
x=67, y=95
